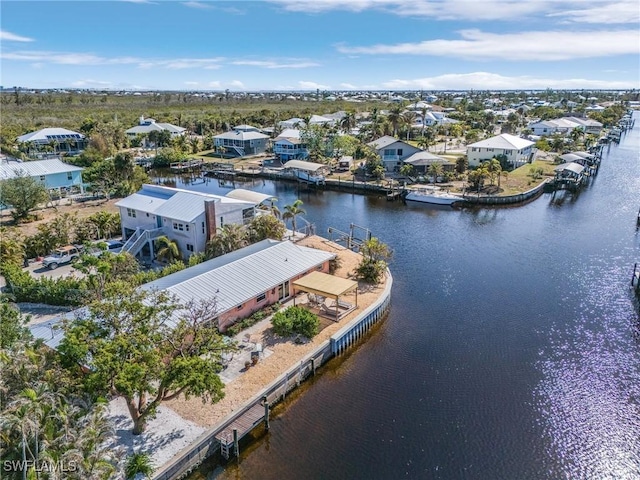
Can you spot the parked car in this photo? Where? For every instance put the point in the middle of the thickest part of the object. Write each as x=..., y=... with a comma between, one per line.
x=61, y=256
x=114, y=246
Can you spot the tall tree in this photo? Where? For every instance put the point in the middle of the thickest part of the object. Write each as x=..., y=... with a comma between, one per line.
x=167, y=249
x=291, y=212
x=228, y=238
x=147, y=348
x=23, y=193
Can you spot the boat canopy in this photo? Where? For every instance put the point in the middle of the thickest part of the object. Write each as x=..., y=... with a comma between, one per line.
x=302, y=165
x=249, y=196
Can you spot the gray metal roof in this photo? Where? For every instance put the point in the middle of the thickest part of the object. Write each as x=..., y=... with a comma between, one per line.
x=570, y=157
x=249, y=196
x=36, y=168
x=51, y=332
x=302, y=165
x=235, y=278
x=47, y=135
x=241, y=135
x=383, y=142
x=182, y=206
x=425, y=158
x=143, y=202
x=571, y=167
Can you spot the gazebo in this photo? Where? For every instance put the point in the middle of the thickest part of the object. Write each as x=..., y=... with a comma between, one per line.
x=328, y=286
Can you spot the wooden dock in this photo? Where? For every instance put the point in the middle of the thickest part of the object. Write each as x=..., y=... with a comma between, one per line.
x=186, y=166
x=241, y=426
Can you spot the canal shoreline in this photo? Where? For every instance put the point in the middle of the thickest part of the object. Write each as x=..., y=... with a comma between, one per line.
x=217, y=438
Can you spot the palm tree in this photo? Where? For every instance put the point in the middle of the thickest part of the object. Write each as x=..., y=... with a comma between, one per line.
x=348, y=122
x=229, y=238
x=167, y=249
x=395, y=118
x=291, y=212
x=408, y=119
x=138, y=463
x=435, y=170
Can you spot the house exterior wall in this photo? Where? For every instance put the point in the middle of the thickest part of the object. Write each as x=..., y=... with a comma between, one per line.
x=228, y=318
x=477, y=155
x=285, y=150
x=392, y=155
x=62, y=180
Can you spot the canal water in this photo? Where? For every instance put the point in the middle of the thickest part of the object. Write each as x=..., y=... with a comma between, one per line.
x=512, y=350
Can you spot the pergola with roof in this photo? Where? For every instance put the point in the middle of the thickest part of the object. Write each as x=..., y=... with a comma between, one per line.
x=329, y=286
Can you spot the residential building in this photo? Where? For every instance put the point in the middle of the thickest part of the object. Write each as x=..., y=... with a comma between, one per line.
x=289, y=146
x=245, y=280
x=53, y=173
x=422, y=160
x=392, y=151
x=589, y=126
x=292, y=123
x=147, y=125
x=242, y=140
x=189, y=218
x=53, y=140
x=517, y=150
x=240, y=282
x=562, y=126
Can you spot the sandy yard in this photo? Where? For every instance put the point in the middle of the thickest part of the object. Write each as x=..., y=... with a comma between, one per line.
x=285, y=354
x=83, y=209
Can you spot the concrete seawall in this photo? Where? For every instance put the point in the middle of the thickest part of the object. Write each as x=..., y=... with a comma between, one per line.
x=209, y=443
x=507, y=199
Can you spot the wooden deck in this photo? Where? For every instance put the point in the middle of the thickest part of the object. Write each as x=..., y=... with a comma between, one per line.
x=243, y=424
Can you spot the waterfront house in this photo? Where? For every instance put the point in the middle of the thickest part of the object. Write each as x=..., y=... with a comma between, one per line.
x=247, y=279
x=53, y=140
x=241, y=282
x=294, y=122
x=517, y=150
x=562, y=126
x=242, y=140
x=392, y=151
x=588, y=125
x=289, y=146
x=54, y=174
x=422, y=160
x=189, y=218
x=147, y=125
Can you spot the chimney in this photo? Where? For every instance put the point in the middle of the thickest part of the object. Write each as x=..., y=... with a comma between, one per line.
x=210, y=218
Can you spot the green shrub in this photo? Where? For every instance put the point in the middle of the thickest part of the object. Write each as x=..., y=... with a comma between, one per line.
x=296, y=320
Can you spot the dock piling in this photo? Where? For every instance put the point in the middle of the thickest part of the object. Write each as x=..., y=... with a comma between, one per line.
x=266, y=412
x=236, y=443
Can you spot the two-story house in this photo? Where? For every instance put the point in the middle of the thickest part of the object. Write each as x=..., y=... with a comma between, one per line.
x=289, y=146
x=147, y=125
x=242, y=140
x=517, y=150
x=392, y=151
x=189, y=218
x=52, y=140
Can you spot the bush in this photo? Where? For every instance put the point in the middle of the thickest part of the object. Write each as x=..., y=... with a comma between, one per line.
x=58, y=291
x=296, y=320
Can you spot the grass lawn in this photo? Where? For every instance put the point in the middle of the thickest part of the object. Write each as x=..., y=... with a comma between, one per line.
x=520, y=179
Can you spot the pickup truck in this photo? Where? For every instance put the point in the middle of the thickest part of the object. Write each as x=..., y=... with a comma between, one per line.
x=61, y=255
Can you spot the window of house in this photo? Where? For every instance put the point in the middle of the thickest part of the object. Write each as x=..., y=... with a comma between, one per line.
x=261, y=297
x=222, y=221
x=42, y=178
x=189, y=247
x=69, y=176
x=400, y=151
x=319, y=267
x=186, y=227
x=473, y=149
x=131, y=212
x=239, y=307
x=178, y=226
x=203, y=228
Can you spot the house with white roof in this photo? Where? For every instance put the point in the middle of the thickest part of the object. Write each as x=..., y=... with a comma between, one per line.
x=321, y=120
x=294, y=122
x=517, y=150
x=54, y=174
x=58, y=140
x=588, y=125
x=247, y=279
x=147, y=125
x=242, y=140
x=392, y=151
x=189, y=218
x=241, y=282
x=290, y=146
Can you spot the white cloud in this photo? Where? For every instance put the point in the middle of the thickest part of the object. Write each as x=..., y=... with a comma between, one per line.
x=200, y=5
x=552, y=45
x=494, y=81
x=348, y=86
x=305, y=85
x=236, y=84
x=71, y=58
x=627, y=11
x=272, y=64
x=594, y=11
x=12, y=37
x=214, y=84
x=192, y=84
x=88, y=83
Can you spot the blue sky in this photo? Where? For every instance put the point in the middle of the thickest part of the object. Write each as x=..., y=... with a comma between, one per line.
x=326, y=44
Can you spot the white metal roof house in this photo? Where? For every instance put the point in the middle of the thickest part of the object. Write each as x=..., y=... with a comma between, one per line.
x=57, y=139
x=294, y=122
x=518, y=150
x=242, y=140
x=53, y=173
x=190, y=218
x=392, y=151
x=549, y=127
x=290, y=146
x=245, y=280
x=241, y=282
x=422, y=160
x=148, y=125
